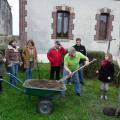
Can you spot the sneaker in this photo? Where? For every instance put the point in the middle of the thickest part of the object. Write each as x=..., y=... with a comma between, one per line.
x=101, y=97
x=82, y=83
x=69, y=83
x=106, y=98
x=78, y=94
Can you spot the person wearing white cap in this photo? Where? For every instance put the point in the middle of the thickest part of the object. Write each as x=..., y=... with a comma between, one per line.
x=71, y=63
x=55, y=56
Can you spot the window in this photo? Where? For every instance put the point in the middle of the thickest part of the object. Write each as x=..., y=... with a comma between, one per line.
x=103, y=26
x=62, y=24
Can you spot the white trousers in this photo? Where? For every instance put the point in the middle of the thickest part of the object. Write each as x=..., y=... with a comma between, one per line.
x=104, y=86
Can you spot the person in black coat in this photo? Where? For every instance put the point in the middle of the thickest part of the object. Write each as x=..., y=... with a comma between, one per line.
x=80, y=48
x=106, y=74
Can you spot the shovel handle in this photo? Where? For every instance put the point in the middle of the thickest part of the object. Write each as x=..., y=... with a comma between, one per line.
x=84, y=66
x=68, y=76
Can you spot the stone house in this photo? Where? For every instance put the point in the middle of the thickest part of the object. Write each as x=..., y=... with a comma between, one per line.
x=96, y=22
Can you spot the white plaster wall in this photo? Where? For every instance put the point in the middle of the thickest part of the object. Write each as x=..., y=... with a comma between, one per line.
x=39, y=19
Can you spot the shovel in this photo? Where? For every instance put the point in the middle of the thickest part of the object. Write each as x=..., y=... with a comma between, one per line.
x=68, y=76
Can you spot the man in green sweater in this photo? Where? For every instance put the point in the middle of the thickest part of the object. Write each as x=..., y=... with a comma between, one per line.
x=71, y=63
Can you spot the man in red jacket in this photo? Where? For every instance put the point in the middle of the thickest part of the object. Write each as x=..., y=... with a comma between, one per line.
x=55, y=56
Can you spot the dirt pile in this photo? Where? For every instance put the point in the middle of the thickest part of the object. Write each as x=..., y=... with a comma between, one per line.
x=109, y=111
x=44, y=84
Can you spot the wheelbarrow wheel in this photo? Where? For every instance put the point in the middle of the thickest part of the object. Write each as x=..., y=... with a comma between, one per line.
x=45, y=107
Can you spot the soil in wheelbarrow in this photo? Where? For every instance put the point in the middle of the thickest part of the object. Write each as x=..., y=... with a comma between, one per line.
x=44, y=84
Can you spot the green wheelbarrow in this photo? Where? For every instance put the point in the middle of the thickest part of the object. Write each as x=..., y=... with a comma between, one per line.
x=45, y=90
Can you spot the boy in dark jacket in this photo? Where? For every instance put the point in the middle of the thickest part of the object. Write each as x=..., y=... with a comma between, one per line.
x=55, y=56
x=106, y=73
x=80, y=48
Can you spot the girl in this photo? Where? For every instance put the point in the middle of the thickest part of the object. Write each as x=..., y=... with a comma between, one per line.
x=13, y=59
x=29, y=58
x=106, y=73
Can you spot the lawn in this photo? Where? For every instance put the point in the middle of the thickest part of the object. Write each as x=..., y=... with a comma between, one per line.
x=14, y=105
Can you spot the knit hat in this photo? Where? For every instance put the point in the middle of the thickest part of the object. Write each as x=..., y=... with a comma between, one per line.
x=71, y=50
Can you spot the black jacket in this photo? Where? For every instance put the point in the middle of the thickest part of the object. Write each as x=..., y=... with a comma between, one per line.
x=105, y=72
x=81, y=49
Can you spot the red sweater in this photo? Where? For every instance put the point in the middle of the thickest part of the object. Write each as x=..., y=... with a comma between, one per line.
x=55, y=56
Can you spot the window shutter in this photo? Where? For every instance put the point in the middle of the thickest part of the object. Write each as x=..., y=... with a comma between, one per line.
x=54, y=25
x=110, y=27
x=71, y=25
x=97, y=26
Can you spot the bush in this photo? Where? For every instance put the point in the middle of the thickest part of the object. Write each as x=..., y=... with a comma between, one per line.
x=90, y=71
x=2, y=48
x=117, y=74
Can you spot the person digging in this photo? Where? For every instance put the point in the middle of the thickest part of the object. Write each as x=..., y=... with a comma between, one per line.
x=71, y=63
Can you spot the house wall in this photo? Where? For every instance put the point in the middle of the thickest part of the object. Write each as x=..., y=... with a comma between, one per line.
x=5, y=18
x=39, y=19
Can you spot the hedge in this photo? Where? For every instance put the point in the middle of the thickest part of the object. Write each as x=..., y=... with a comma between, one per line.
x=90, y=71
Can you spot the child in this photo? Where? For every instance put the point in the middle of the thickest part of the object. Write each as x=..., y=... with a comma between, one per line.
x=106, y=73
x=2, y=68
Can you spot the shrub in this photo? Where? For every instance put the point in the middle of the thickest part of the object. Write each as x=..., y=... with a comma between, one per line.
x=2, y=48
x=90, y=71
x=117, y=74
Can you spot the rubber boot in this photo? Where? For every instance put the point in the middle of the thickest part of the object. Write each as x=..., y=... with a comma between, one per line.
x=106, y=95
x=101, y=94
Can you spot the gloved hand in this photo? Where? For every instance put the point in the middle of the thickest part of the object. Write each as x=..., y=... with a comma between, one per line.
x=71, y=74
x=109, y=78
x=9, y=65
x=21, y=63
x=4, y=60
x=97, y=71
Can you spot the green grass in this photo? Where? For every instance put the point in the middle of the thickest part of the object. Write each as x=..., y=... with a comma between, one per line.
x=14, y=105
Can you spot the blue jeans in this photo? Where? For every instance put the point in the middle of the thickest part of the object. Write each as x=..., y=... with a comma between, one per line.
x=28, y=74
x=14, y=71
x=76, y=81
x=80, y=72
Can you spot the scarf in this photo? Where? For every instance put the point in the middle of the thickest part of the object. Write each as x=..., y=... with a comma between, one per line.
x=14, y=46
x=104, y=62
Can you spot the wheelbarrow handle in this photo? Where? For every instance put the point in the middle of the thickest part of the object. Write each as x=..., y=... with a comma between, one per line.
x=68, y=76
x=19, y=89
x=15, y=78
